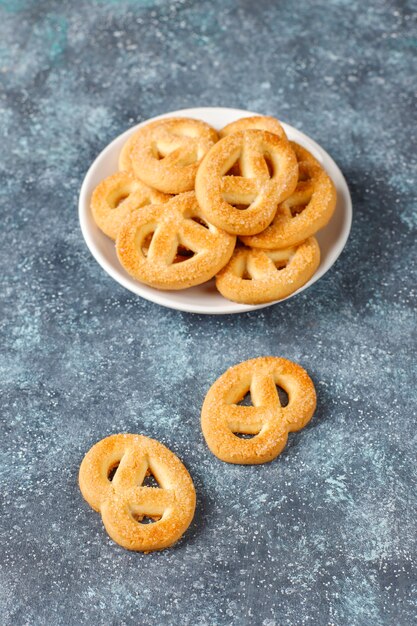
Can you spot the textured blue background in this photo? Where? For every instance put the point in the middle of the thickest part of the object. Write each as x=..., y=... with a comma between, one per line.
x=326, y=534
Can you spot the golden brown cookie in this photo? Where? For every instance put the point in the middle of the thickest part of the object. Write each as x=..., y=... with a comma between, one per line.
x=255, y=276
x=255, y=122
x=246, y=204
x=172, y=246
x=111, y=479
x=267, y=420
x=307, y=210
x=117, y=196
x=165, y=154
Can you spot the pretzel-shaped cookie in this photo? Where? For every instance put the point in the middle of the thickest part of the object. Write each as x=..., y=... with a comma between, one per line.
x=305, y=212
x=171, y=246
x=122, y=499
x=255, y=276
x=246, y=204
x=255, y=122
x=267, y=419
x=165, y=154
x=117, y=196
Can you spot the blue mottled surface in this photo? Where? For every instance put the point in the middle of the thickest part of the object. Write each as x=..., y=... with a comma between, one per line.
x=325, y=534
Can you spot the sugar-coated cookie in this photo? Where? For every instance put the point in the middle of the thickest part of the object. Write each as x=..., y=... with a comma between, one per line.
x=111, y=479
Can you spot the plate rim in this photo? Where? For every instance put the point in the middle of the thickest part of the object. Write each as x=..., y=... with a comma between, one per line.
x=160, y=297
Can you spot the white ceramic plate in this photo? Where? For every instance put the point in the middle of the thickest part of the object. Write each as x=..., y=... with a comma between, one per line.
x=205, y=298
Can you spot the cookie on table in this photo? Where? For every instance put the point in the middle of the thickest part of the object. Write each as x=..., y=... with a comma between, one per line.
x=112, y=477
x=258, y=433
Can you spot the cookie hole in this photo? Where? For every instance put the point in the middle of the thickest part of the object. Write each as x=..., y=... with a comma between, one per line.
x=303, y=173
x=297, y=208
x=234, y=170
x=269, y=164
x=199, y=220
x=183, y=254
x=246, y=400
x=146, y=243
x=241, y=207
x=244, y=435
x=246, y=275
x=282, y=395
x=118, y=201
x=150, y=480
x=146, y=519
x=156, y=153
x=281, y=265
x=112, y=471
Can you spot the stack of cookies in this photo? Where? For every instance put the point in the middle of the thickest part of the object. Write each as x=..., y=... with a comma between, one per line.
x=242, y=205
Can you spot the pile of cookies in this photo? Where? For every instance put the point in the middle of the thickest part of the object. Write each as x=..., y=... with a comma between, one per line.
x=241, y=205
x=144, y=493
